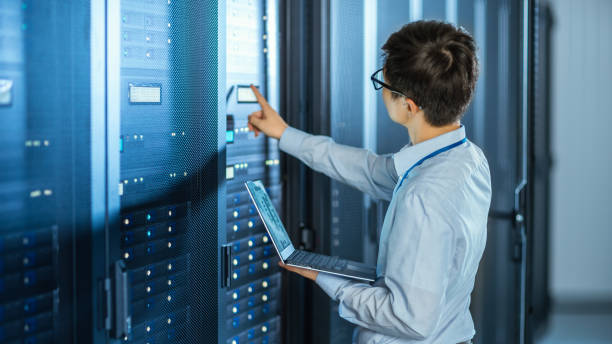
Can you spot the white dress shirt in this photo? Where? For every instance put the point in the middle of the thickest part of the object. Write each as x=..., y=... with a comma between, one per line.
x=432, y=238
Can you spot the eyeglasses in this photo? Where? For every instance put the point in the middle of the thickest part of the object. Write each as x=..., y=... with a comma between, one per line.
x=377, y=78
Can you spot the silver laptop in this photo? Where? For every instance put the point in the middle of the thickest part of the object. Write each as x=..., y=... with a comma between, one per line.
x=289, y=255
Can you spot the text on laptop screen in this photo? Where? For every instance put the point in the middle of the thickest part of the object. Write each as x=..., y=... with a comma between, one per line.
x=269, y=216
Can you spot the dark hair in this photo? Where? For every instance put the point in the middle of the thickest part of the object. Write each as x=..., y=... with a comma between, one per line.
x=435, y=65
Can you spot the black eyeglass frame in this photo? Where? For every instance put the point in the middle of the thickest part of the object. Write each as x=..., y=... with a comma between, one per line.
x=379, y=84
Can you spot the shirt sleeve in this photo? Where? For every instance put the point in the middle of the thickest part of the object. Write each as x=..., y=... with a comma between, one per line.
x=371, y=173
x=406, y=301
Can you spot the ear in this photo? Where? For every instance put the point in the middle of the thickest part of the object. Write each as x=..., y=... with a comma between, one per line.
x=410, y=105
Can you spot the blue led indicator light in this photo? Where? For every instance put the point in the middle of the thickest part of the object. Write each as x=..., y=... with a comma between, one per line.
x=229, y=136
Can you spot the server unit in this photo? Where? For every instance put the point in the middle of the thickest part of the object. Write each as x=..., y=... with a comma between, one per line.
x=161, y=271
x=251, y=297
x=44, y=87
x=155, y=175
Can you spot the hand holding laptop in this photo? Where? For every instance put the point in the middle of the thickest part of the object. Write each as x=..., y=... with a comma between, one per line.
x=310, y=274
x=304, y=263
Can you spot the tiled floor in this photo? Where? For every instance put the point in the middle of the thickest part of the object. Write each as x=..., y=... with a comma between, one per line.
x=578, y=328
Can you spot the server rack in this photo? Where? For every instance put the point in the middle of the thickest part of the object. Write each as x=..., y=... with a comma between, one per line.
x=118, y=198
x=341, y=219
x=495, y=121
x=540, y=158
x=161, y=273
x=44, y=193
x=251, y=298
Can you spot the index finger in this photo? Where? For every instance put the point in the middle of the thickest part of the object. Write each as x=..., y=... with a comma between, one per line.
x=260, y=98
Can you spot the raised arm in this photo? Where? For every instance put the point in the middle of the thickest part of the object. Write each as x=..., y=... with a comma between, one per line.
x=360, y=168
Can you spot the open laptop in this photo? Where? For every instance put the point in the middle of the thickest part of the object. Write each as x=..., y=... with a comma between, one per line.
x=289, y=255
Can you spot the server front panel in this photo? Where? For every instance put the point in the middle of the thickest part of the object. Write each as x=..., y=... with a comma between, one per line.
x=44, y=87
x=253, y=295
x=167, y=150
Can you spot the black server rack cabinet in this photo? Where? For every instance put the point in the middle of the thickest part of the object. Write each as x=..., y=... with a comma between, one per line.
x=496, y=121
x=540, y=158
x=341, y=217
x=44, y=154
x=251, y=299
x=499, y=126
x=163, y=78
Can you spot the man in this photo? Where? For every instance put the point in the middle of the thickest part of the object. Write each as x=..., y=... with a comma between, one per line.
x=434, y=232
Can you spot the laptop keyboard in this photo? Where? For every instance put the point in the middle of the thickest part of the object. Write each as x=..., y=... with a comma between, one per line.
x=319, y=261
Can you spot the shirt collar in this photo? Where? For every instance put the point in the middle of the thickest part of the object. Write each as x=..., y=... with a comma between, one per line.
x=411, y=154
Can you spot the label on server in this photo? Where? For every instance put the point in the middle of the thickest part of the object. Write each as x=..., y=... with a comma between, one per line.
x=145, y=93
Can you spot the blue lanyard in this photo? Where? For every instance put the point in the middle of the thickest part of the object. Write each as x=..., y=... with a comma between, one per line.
x=431, y=155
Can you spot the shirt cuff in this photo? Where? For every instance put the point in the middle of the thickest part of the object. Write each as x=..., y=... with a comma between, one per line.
x=331, y=284
x=291, y=141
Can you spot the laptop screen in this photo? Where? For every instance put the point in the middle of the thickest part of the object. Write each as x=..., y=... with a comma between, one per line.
x=270, y=218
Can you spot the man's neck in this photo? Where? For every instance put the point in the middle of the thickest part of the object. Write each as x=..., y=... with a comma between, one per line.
x=426, y=132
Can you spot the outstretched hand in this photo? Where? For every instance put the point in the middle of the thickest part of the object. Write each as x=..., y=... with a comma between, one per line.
x=310, y=274
x=266, y=120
